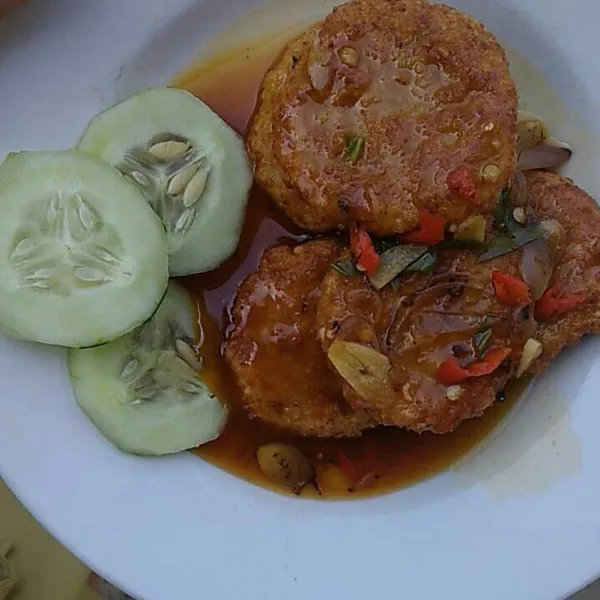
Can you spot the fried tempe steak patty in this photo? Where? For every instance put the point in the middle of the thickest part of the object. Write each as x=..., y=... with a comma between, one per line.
x=577, y=261
x=273, y=350
x=427, y=320
x=430, y=318
x=426, y=90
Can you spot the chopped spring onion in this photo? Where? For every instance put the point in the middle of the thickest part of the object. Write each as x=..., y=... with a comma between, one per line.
x=481, y=341
x=354, y=146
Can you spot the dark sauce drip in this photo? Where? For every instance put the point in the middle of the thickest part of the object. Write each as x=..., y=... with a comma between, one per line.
x=392, y=458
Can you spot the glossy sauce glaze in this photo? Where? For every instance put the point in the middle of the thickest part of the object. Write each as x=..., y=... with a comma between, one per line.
x=420, y=111
x=383, y=459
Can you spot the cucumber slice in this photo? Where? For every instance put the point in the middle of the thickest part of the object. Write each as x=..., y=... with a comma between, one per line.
x=82, y=258
x=190, y=164
x=142, y=391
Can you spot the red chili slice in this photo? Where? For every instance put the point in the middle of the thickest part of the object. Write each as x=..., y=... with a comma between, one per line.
x=555, y=302
x=450, y=372
x=461, y=182
x=510, y=290
x=363, y=250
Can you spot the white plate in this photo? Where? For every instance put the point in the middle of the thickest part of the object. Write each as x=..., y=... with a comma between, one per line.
x=519, y=520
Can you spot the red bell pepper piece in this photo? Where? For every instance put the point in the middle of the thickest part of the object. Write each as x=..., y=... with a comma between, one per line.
x=555, y=302
x=510, y=290
x=430, y=232
x=450, y=372
x=363, y=250
x=460, y=181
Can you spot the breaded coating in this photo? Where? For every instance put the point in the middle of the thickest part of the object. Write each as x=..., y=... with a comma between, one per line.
x=273, y=350
x=365, y=115
x=577, y=263
x=263, y=129
x=428, y=319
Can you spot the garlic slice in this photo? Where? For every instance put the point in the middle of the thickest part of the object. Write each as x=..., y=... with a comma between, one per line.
x=365, y=370
x=547, y=155
x=531, y=352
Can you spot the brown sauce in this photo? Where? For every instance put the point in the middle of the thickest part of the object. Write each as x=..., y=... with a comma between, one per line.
x=396, y=458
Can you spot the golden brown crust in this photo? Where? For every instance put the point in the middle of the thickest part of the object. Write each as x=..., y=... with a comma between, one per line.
x=273, y=350
x=426, y=87
x=577, y=266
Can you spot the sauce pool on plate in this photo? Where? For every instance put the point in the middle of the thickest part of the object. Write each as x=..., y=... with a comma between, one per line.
x=383, y=459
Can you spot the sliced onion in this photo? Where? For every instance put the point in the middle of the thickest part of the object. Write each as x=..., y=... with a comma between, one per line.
x=552, y=231
x=537, y=266
x=518, y=189
x=536, y=149
x=394, y=261
x=320, y=75
x=547, y=155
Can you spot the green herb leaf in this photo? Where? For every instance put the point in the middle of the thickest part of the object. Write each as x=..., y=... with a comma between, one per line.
x=481, y=341
x=514, y=237
x=396, y=282
x=425, y=264
x=505, y=245
x=503, y=214
x=345, y=268
x=503, y=210
x=354, y=145
x=395, y=261
x=385, y=243
x=455, y=244
x=500, y=246
x=524, y=235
